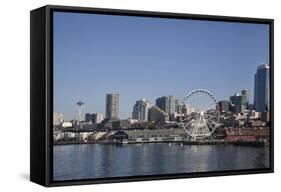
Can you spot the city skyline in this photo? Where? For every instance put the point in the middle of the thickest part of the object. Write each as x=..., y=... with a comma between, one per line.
x=152, y=104
x=136, y=69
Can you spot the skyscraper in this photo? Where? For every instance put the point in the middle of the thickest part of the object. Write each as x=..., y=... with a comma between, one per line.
x=262, y=88
x=97, y=117
x=112, y=106
x=88, y=117
x=162, y=103
x=169, y=104
x=94, y=117
x=57, y=118
x=173, y=104
x=240, y=102
x=140, y=110
x=224, y=106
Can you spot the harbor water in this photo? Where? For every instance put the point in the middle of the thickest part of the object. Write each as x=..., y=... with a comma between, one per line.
x=89, y=161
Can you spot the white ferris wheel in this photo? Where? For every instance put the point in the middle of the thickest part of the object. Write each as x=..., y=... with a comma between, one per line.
x=199, y=114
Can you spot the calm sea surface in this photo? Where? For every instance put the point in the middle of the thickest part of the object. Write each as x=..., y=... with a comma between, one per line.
x=87, y=161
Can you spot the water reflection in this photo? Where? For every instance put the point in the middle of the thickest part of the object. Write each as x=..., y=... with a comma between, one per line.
x=101, y=160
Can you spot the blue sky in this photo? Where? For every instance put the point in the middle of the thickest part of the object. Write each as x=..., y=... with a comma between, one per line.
x=150, y=57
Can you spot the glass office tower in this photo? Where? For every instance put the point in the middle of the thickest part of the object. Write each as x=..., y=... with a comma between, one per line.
x=262, y=88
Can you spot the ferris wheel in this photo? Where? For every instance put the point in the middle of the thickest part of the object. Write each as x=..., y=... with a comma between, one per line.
x=199, y=115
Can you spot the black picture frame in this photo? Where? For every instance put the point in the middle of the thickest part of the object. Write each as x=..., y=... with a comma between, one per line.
x=41, y=100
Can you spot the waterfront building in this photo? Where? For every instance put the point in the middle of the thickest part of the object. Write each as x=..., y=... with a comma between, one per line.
x=57, y=118
x=169, y=104
x=173, y=104
x=240, y=101
x=162, y=103
x=175, y=117
x=93, y=118
x=224, y=106
x=150, y=135
x=112, y=106
x=250, y=134
x=86, y=126
x=229, y=121
x=108, y=124
x=157, y=115
x=251, y=107
x=262, y=96
x=182, y=109
x=67, y=124
x=265, y=116
x=132, y=121
x=140, y=110
x=185, y=109
x=98, y=117
x=253, y=115
x=246, y=94
x=88, y=117
x=122, y=124
x=257, y=123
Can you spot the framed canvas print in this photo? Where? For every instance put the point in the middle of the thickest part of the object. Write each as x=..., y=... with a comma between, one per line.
x=122, y=95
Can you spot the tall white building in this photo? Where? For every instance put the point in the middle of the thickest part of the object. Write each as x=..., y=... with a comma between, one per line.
x=112, y=106
x=57, y=118
x=99, y=118
x=140, y=110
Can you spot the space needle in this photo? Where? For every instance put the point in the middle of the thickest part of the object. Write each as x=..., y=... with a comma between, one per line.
x=80, y=107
